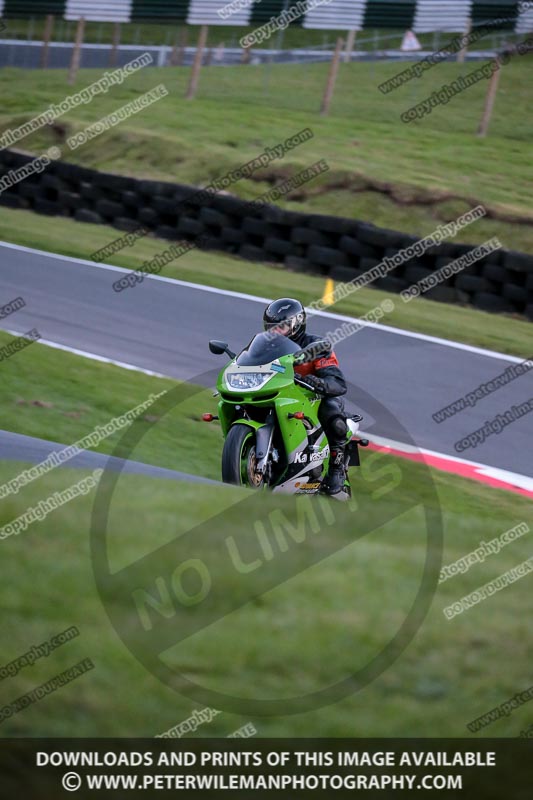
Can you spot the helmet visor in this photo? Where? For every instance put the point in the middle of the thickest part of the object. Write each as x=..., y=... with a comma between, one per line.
x=285, y=327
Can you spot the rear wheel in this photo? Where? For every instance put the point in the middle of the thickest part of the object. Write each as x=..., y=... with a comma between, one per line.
x=238, y=458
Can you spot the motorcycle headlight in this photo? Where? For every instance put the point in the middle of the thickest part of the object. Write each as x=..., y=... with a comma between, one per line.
x=247, y=380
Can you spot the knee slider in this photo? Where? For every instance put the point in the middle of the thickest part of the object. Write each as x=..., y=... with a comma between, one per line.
x=338, y=426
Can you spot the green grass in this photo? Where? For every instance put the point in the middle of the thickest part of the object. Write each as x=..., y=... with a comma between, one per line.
x=44, y=394
x=344, y=601
x=409, y=177
x=503, y=333
x=330, y=618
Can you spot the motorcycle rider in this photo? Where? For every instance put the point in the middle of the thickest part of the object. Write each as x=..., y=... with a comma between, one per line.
x=288, y=317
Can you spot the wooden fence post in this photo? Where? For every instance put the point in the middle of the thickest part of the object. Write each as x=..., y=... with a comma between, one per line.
x=114, y=44
x=197, y=65
x=490, y=97
x=47, y=35
x=332, y=77
x=76, y=53
x=349, y=46
x=461, y=55
x=183, y=46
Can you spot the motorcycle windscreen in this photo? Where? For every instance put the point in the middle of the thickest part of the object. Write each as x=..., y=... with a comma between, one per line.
x=264, y=348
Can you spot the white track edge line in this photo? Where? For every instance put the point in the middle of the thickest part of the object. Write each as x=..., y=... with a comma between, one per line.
x=94, y=356
x=514, y=478
x=256, y=299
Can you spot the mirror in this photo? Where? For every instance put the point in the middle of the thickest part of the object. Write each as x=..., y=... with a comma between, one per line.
x=217, y=348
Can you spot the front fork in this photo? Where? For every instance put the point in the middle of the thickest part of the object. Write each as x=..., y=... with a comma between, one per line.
x=263, y=442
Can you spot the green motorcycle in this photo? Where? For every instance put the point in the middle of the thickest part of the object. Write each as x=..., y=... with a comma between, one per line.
x=268, y=416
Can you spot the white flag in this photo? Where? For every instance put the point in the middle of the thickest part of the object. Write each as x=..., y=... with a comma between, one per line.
x=410, y=42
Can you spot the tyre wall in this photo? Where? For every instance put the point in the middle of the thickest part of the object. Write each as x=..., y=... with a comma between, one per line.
x=328, y=246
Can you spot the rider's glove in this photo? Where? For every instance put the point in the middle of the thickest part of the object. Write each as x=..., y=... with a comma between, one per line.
x=317, y=383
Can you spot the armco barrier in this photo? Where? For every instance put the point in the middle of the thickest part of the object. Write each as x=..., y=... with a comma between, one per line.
x=311, y=243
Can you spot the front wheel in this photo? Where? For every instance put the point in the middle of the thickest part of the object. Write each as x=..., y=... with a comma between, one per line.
x=238, y=458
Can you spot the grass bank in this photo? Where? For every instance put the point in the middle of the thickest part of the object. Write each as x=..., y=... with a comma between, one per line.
x=337, y=595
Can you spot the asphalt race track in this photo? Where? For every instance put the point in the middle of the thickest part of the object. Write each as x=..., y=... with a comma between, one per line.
x=164, y=326
x=16, y=447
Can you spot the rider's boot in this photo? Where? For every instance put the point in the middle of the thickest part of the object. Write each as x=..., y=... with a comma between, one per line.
x=333, y=483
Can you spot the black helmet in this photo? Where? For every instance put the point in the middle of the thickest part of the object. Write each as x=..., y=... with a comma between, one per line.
x=287, y=316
